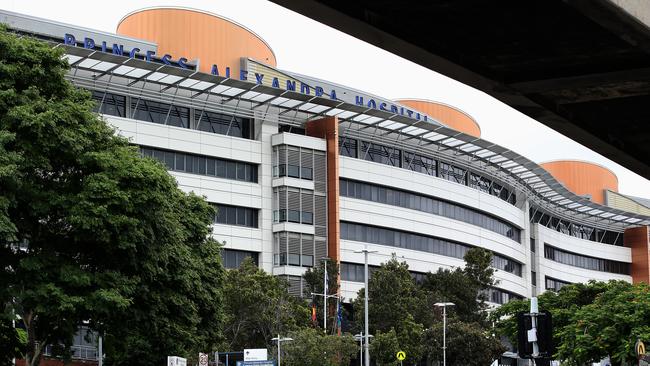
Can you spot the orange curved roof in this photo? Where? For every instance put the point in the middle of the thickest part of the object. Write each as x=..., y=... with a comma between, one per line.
x=448, y=115
x=583, y=178
x=196, y=34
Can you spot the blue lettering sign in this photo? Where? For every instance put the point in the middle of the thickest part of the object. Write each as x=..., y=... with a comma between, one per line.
x=372, y=104
x=318, y=91
x=243, y=75
x=333, y=94
x=215, y=70
x=275, y=83
x=69, y=39
x=149, y=54
x=291, y=85
x=227, y=72
x=89, y=43
x=358, y=100
x=259, y=78
x=134, y=52
x=304, y=88
x=382, y=106
x=118, y=49
x=166, y=59
x=181, y=62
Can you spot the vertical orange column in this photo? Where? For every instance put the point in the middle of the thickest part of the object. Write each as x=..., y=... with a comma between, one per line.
x=637, y=239
x=328, y=129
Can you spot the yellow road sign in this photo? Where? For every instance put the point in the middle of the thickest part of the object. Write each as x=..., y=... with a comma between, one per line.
x=639, y=347
x=401, y=355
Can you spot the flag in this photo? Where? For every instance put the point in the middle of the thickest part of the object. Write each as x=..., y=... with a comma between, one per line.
x=313, y=312
x=339, y=317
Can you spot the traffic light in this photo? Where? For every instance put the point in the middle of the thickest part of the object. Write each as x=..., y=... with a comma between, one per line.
x=543, y=335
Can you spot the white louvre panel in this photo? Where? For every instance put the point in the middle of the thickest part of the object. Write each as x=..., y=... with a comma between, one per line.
x=320, y=231
x=276, y=243
x=321, y=248
x=282, y=154
x=282, y=198
x=295, y=285
x=306, y=158
x=307, y=244
x=294, y=243
x=320, y=210
x=307, y=201
x=283, y=242
x=293, y=202
x=293, y=156
x=320, y=171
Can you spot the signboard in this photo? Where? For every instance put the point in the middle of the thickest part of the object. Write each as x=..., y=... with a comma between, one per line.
x=256, y=363
x=255, y=354
x=203, y=359
x=401, y=355
x=176, y=361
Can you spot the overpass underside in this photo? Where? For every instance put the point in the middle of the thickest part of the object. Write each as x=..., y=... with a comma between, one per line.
x=581, y=67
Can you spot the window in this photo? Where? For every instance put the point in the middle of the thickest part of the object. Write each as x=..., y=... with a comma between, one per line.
x=203, y=165
x=422, y=164
x=348, y=147
x=294, y=249
x=233, y=258
x=452, y=173
x=299, y=217
x=537, y=216
x=236, y=215
x=223, y=124
x=554, y=284
x=419, y=163
x=406, y=240
x=586, y=262
x=381, y=154
x=109, y=103
x=499, y=296
x=293, y=161
x=162, y=113
x=395, y=197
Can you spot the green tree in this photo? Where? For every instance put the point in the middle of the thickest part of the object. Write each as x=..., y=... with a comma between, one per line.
x=393, y=295
x=258, y=307
x=384, y=348
x=590, y=321
x=464, y=287
x=467, y=344
x=91, y=231
x=311, y=346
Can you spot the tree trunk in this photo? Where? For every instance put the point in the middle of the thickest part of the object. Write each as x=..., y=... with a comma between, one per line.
x=34, y=348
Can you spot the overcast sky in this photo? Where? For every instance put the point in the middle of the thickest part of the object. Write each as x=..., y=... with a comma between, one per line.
x=307, y=47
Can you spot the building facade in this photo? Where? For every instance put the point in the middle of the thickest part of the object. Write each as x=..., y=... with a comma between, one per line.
x=302, y=169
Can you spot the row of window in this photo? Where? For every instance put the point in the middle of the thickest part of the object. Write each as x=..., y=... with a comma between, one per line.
x=297, y=249
x=236, y=215
x=554, y=284
x=402, y=239
x=293, y=161
x=586, y=262
x=354, y=272
x=203, y=165
x=579, y=231
x=172, y=115
x=299, y=217
x=401, y=198
x=499, y=296
x=422, y=164
x=232, y=259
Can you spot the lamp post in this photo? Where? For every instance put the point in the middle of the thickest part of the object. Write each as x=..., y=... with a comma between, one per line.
x=359, y=337
x=280, y=340
x=444, y=329
x=365, y=282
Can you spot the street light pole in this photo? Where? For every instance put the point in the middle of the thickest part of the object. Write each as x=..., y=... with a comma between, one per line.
x=280, y=340
x=359, y=337
x=444, y=329
x=366, y=345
